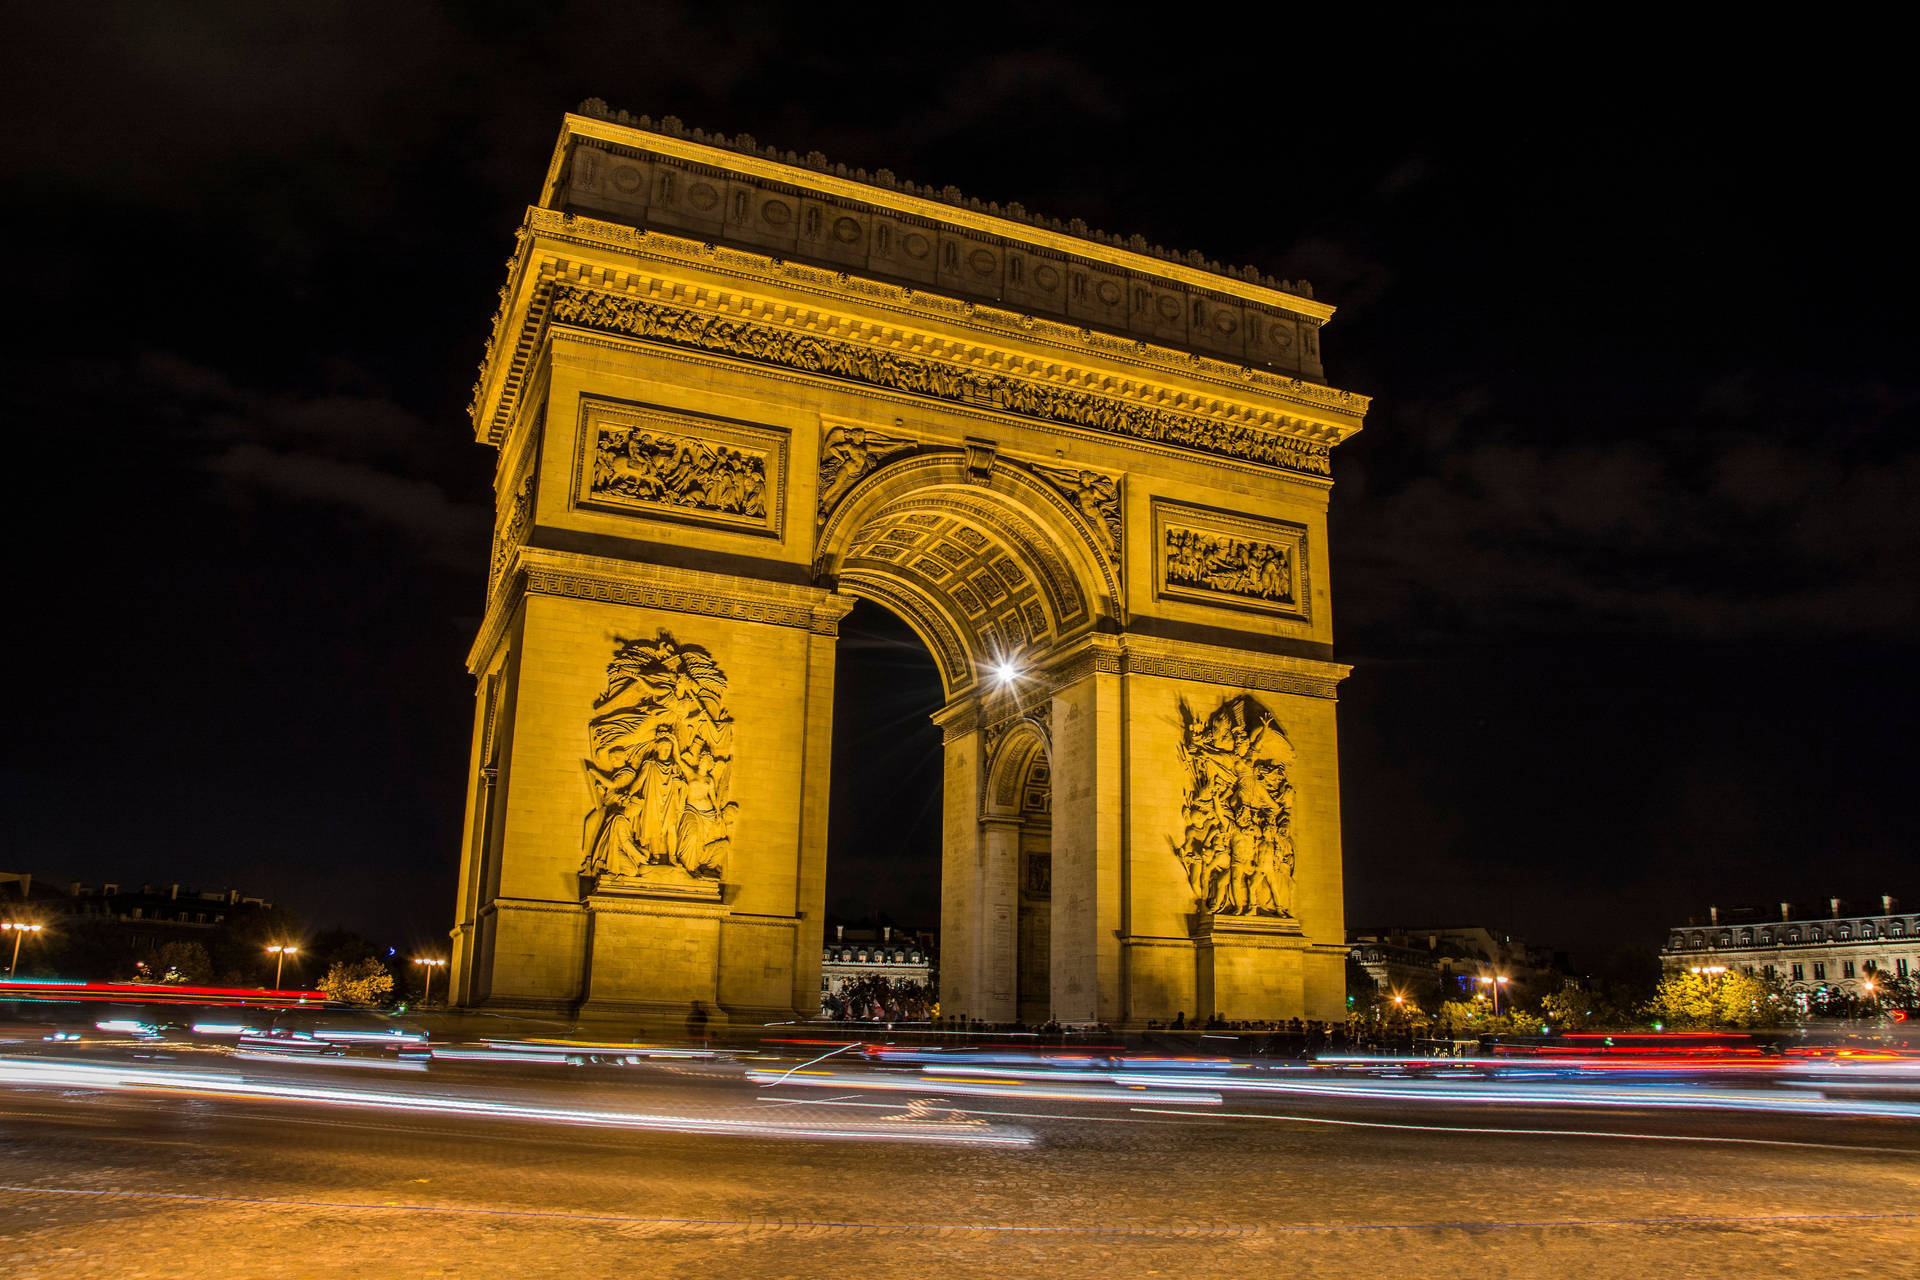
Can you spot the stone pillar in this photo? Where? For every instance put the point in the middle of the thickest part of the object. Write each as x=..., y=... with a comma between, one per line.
x=1089, y=805
x=961, y=879
x=996, y=953
x=810, y=890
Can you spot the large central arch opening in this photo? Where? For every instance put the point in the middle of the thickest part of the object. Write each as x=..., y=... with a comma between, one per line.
x=990, y=572
x=883, y=818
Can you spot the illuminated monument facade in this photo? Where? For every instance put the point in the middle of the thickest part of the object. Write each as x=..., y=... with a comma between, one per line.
x=732, y=390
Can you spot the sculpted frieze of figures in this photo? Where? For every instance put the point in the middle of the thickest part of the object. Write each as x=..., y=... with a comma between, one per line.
x=1236, y=839
x=634, y=463
x=659, y=765
x=593, y=308
x=1230, y=565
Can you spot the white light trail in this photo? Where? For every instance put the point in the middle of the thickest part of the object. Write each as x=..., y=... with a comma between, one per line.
x=68, y=1075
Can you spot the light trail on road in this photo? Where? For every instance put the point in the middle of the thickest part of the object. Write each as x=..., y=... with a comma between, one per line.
x=124, y=1078
x=1501, y=1131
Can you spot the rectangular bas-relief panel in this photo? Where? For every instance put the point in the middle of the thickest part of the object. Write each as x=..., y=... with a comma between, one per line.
x=1233, y=561
x=637, y=459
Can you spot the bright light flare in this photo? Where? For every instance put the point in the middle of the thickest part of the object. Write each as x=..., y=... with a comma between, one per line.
x=1006, y=671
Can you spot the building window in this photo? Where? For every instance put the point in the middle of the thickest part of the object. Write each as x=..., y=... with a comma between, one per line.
x=1746, y=937
x=1815, y=935
x=1799, y=974
x=1679, y=941
x=1698, y=940
x=1793, y=935
x=1766, y=936
x=1767, y=969
x=1897, y=929
x=1900, y=966
x=1846, y=968
x=1842, y=932
x=1819, y=970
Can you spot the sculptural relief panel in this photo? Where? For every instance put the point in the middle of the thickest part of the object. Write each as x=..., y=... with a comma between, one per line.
x=636, y=459
x=1222, y=558
x=659, y=770
x=1237, y=802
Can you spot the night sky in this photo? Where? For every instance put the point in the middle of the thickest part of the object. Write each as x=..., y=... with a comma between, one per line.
x=1624, y=559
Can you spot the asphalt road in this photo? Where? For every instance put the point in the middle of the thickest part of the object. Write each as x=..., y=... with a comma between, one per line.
x=171, y=1160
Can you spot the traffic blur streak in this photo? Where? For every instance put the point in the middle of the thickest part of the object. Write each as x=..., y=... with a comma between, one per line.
x=144, y=1079
x=573, y=1053
x=1700, y=1072
x=1059, y=1086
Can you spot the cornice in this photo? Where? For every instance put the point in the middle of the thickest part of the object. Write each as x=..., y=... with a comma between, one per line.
x=813, y=172
x=1076, y=343
x=1102, y=654
x=891, y=361
x=538, y=571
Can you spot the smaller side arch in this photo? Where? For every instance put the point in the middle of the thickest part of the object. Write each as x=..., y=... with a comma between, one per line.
x=1011, y=751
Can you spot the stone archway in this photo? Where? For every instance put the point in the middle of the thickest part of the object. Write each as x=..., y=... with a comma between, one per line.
x=1012, y=978
x=732, y=393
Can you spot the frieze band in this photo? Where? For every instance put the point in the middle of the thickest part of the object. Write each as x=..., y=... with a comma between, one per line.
x=592, y=308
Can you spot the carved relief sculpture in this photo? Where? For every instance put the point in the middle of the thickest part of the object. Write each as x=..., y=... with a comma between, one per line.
x=937, y=379
x=1231, y=566
x=849, y=455
x=1094, y=496
x=674, y=470
x=512, y=531
x=659, y=765
x=1236, y=842
x=1231, y=559
x=664, y=464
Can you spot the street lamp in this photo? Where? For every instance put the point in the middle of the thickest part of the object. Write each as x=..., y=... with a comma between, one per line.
x=20, y=930
x=430, y=963
x=282, y=952
x=1496, y=983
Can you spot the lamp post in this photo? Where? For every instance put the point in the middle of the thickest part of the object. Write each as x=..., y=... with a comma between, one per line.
x=20, y=930
x=429, y=963
x=1496, y=983
x=282, y=952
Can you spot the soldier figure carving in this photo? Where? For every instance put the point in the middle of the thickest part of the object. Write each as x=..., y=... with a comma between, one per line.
x=1237, y=811
x=679, y=471
x=660, y=764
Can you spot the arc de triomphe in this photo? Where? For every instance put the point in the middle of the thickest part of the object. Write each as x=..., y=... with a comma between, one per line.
x=733, y=389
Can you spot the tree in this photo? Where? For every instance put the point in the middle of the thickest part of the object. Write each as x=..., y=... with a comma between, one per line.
x=1892, y=991
x=183, y=962
x=363, y=982
x=1567, y=1009
x=1731, y=999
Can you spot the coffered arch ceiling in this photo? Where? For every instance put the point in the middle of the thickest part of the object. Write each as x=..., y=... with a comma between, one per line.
x=974, y=564
x=1019, y=775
